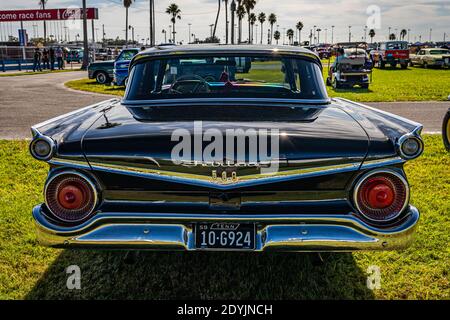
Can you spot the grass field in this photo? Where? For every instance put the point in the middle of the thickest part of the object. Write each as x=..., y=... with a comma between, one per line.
x=28, y=270
x=413, y=84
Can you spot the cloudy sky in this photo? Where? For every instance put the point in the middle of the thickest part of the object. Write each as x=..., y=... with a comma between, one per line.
x=417, y=15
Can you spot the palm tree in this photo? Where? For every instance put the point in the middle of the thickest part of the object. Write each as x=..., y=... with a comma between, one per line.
x=217, y=20
x=299, y=27
x=226, y=21
x=252, y=19
x=277, y=35
x=371, y=35
x=240, y=12
x=42, y=4
x=174, y=11
x=272, y=21
x=403, y=34
x=249, y=5
x=392, y=36
x=126, y=4
x=290, y=35
x=262, y=19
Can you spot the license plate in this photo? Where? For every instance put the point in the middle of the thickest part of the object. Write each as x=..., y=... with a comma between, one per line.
x=225, y=236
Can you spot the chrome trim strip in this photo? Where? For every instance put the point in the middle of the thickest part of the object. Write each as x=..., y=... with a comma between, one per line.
x=371, y=173
x=274, y=232
x=382, y=162
x=71, y=163
x=207, y=181
x=177, y=102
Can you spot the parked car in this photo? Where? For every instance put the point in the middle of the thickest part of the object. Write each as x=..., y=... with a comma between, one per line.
x=75, y=55
x=391, y=52
x=431, y=57
x=351, y=68
x=245, y=162
x=446, y=130
x=101, y=71
x=121, y=65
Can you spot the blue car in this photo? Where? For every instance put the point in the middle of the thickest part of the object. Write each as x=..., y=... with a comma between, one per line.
x=121, y=65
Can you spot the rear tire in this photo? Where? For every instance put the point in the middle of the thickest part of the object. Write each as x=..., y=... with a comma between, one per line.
x=446, y=130
x=394, y=65
x=425, y=65
x=365, y=86
x=382, y=64
x=404, y=66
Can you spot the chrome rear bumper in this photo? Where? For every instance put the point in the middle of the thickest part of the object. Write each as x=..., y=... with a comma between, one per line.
x=274, y=232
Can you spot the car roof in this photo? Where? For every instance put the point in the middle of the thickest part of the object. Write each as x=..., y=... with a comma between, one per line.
x=225, y=49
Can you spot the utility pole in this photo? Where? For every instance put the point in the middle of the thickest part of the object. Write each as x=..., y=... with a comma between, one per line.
x=85, y=39
x=389, y=35
x=365, y=33
x=431, y=30
x=211, y=30
x=104, y=34
x=349, y=33
x=314, y=33
x=409, y=33
x=233, y=10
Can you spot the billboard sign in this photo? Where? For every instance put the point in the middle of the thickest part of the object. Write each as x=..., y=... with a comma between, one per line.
x=47, y=14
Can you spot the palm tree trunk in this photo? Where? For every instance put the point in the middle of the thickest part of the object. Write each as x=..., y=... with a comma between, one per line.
x=217, y=19
x=271, y=33
x=226, y=22
x=262, y=28
x=126, y=26
x=249, y=30
x=173, y=31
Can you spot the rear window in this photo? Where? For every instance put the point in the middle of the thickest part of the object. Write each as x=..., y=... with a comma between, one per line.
x=226, y=76
x=396, y=46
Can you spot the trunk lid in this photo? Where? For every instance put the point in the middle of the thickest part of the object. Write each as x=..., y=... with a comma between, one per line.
x=313, y=139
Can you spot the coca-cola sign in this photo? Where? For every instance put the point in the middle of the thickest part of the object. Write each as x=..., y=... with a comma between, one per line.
x=47, y=14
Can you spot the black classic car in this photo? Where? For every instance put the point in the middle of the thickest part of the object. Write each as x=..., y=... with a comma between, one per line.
x=199, y=156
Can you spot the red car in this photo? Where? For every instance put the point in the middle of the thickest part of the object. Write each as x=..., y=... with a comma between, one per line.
x=392, y=53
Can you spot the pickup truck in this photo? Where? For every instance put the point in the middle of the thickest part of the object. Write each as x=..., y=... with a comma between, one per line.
x=392, y=53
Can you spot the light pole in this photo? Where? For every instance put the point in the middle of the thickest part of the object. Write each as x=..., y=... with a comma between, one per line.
x=349, y=33
x=132, y=32
x=165, y=35
x=211, y=30
x=389, y=35
x=365, y=33
x=431, y=30
x=326, y=35
x=409, y=33
x=318, y=35
x=332, y=34
x=314, y=33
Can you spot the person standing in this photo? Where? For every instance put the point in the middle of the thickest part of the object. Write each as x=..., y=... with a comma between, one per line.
x=37, y=60
x=45, y=60
x=59, y=57
x=51, y=53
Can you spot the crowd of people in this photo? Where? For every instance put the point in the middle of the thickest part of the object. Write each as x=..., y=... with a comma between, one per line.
x=46, y=59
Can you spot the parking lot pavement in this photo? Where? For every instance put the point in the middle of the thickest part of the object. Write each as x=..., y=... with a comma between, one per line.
x=430, y=114
x=30, y=99
x=27, y=100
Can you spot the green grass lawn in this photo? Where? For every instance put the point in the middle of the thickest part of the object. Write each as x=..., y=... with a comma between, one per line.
x=28, y=270
x=31, y=73
x=413, y=84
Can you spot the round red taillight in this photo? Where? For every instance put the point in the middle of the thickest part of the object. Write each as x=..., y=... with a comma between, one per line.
x=70, y=196
x=381, y=195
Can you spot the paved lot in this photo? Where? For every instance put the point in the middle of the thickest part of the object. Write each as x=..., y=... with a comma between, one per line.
x=27, y=100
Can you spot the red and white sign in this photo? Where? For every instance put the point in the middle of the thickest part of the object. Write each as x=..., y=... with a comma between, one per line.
x=47, y=14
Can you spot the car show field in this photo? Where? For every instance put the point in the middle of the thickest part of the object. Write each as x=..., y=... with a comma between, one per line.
x=412, y=84
x=34, y=272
